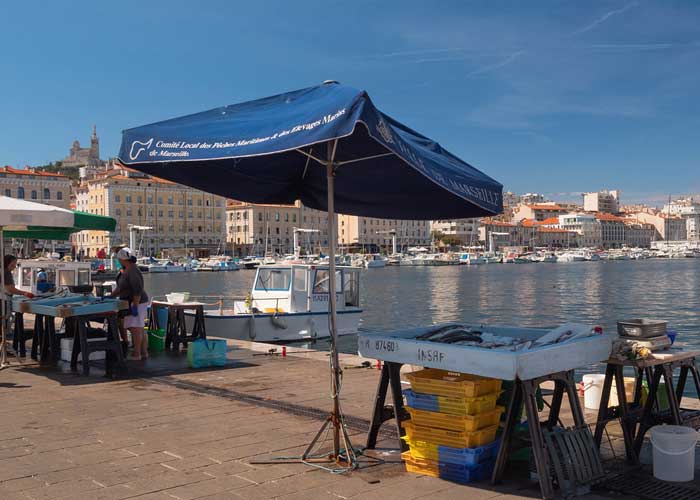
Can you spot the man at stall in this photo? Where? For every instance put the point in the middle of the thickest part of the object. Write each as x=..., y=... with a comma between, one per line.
x=9, y=265
x=130, y=288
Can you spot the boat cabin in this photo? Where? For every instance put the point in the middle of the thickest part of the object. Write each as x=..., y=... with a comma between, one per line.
x=294, y=288
x=46, y=275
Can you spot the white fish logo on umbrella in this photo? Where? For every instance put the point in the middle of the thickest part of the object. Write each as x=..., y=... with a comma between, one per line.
x=139, y=147
x=385, y=131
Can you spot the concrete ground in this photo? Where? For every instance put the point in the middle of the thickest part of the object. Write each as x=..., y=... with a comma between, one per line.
x=169, y=433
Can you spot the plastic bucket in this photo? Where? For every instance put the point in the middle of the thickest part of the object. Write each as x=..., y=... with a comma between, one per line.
x=674, y=452
x=592, y=389
x=156, y=340
x=162, y=313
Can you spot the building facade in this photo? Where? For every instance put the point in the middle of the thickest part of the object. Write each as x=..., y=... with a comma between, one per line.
x=585, y=225
x=612, y=230
x=537, y=211
x=182, y=220
x=638, y=234
x=464, y=230
x=495, y=234
x=31, y=185
x=602, y=201
x=356, y=232
x=269, y=229
x=667, y=227
x=689, y=210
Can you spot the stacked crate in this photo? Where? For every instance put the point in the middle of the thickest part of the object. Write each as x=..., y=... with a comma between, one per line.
x=454, y=420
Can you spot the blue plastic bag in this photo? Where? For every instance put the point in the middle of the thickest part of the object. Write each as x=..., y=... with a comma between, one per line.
x=203, y=353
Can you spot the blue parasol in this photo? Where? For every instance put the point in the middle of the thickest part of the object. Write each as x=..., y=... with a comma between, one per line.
x=329, y=147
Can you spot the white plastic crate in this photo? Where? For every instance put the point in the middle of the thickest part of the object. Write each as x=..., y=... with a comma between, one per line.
x=67, y=351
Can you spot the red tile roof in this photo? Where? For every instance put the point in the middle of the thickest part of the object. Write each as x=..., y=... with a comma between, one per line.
x=540, y=206
x=23, y=171
x=608, y=217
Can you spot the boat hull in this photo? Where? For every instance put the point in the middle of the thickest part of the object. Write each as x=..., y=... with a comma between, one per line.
x=271, y=328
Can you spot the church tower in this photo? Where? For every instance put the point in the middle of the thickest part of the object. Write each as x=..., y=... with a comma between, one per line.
x=94, y=156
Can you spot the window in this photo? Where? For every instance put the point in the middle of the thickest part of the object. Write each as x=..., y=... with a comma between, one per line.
x=59, y=195
x=149, y=199
x=117, y=198
x=47, y=194
x=277, y=230
x=34, y=195
x=273, y=279
x=139, y=199
x=199, y=202
x=171, y=213
x=260, y=217
x=128, y=198
x=321, y=281
x=8, y=192
x=118, y=212
x=160, y=200
x=294, y=217
x=160, y=213
x=189, y=202
x=128, y=212
x=170, y=200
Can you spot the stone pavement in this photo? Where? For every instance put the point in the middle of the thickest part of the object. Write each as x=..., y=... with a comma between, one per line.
x=171, y=433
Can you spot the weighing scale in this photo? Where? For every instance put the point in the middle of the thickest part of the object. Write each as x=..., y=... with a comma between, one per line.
x=660, y=343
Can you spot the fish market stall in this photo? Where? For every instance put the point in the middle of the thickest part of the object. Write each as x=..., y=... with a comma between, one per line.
x=78, y=311
x=463, y=364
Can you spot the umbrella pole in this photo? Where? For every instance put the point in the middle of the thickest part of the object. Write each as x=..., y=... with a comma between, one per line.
x=332, y=313
x=346, y=453
x=3, y=304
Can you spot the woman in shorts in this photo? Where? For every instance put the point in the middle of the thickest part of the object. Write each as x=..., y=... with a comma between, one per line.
x=130, y=288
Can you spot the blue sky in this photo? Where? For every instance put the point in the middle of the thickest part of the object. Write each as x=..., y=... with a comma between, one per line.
x=555, y=97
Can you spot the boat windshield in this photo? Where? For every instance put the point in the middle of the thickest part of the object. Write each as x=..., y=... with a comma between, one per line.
x=273, y=279
x=321, y=281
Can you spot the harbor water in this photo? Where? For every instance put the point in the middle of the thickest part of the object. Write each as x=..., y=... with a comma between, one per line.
x=534, y=295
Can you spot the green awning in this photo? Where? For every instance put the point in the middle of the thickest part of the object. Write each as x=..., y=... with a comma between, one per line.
x=82, y=222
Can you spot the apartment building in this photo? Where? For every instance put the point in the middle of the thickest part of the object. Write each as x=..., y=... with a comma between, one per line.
x=182, y=220
x=33, y=185
x=376, y=234
x=257, y=229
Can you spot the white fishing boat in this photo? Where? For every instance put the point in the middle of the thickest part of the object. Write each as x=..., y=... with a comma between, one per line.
x=288, y=302
x=472, y=259
x=570, y=257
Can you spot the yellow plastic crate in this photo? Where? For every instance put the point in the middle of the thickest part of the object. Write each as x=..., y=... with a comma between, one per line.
x=420, y=466
x=454, y=439
x=452, y=385
x=468, y=423
x=422, y=449
x=454, y=406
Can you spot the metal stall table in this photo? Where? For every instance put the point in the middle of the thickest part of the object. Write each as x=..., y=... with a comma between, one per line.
x=637, y=418
x=77, y=311
x=176, y=331
x=528, y=368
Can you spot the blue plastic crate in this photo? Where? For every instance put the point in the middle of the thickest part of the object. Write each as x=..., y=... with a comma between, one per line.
x=427, y=402
x=465, y=474
x=468, y=456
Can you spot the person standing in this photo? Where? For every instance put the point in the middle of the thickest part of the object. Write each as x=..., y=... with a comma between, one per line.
x=9, y=265
x=130, y=288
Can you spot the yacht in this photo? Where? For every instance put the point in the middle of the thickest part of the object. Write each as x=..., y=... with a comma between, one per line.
x=288, y=302
x=374, y=260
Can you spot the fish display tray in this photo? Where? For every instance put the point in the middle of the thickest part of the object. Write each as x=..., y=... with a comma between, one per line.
x=450, y=472
x=447, y=454
x=401, y=346
x=453, y=406
x=467, y=423
x=452, y=385
x=643, y=327
x=453, y=439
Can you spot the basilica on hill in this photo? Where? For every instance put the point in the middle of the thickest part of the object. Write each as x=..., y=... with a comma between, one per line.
x=80, y=157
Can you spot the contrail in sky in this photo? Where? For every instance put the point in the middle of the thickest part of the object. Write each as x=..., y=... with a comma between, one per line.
x=604, y=18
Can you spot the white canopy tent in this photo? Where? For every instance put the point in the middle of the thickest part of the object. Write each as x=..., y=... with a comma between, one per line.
x=19, y=215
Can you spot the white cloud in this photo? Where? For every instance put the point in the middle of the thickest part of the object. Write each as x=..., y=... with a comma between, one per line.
x=604, y=18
